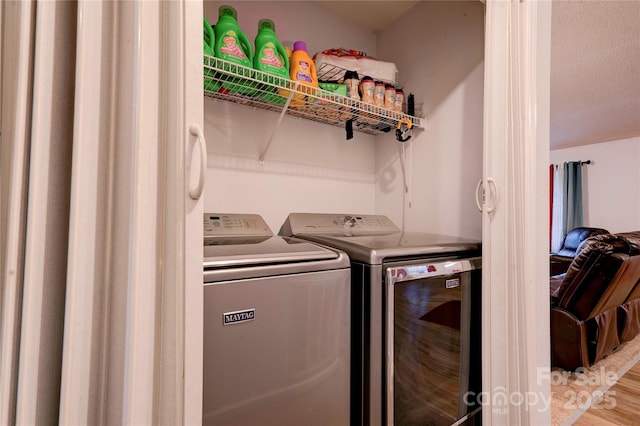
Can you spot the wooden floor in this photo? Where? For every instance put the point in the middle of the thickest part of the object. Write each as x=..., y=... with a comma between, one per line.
x=619, y=406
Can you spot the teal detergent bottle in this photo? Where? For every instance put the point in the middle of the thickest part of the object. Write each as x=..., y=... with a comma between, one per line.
x=271, y=58
x=232, y=45
x=210, y=84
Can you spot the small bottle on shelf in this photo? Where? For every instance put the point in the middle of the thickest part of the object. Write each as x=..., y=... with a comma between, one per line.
x=352, y=83
x=378, y=94
x=399, y=100
x=366, y=89
x=389, y=96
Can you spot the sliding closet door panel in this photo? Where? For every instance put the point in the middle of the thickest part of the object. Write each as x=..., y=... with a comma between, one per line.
x=193, y=293
x=136, y=250
x=17, y=68
x=48, y=214
x=133, y=321
x=82, y=395
x=100, y=242
x=515, y=223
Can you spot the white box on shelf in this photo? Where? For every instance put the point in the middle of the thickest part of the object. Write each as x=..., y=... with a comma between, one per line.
x=335, y=66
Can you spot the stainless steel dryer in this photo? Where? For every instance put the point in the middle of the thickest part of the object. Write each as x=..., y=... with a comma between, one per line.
x=416, y=298
x=276, y=327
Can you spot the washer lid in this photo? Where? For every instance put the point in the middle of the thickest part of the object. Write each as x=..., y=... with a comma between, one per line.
x=233, y=240
x=373, y=249
x=371, y=238
x=247, y=251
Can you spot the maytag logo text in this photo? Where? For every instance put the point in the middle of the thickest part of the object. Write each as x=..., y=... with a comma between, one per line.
x=238, y=316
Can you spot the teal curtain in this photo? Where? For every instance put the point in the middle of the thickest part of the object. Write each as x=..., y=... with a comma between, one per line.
x=572, y=196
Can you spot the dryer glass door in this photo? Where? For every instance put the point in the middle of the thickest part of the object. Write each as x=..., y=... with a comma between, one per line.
x=433, y=356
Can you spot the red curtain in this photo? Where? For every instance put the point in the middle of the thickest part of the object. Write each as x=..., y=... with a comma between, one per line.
x=550, y=202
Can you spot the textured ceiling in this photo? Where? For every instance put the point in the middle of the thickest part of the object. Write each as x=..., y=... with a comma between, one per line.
x=595, y=71
x=595, y=64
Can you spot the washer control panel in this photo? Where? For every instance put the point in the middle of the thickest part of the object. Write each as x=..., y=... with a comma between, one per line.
x=319, y=223
x=230, y=225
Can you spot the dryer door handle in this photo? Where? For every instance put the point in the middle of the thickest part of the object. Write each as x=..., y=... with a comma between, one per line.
x=431, y=270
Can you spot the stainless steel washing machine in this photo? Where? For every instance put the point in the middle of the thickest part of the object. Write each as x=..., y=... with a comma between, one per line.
x=416, y=333
x=276, y=327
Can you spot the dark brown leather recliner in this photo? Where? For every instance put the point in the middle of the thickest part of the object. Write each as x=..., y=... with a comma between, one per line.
x=560, y=260
x=592, y=305
x=629, y=311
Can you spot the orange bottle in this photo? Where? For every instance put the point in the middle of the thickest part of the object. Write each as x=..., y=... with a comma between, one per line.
x=303, y=70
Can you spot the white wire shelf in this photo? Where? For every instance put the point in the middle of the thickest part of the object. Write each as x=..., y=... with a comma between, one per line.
x=243, y=85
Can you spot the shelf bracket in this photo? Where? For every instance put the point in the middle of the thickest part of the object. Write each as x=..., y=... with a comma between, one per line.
x=280, y=118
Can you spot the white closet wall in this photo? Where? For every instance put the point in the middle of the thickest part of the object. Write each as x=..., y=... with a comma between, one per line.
x=439, y=50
